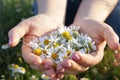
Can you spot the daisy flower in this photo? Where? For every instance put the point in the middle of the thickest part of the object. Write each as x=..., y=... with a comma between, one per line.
x=5, y=46
x=45, y=77
x=16, y=69
x=60, y=44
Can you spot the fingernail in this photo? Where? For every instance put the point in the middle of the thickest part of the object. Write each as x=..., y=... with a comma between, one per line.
x=118, y=46
x=37, y=64
x=75, y=57
x=68, y=64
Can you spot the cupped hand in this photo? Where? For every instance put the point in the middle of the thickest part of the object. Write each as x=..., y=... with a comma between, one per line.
x=101, y=33
x=28, y=30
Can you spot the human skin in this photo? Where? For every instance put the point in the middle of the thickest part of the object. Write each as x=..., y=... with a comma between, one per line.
x=90, y=17
x=51, y=15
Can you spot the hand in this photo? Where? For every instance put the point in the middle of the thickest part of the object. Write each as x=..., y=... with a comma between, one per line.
x=28, y=30
x=100, y=33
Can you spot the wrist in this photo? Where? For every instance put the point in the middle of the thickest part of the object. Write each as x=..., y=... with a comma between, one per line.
x=53, y=8
x=59, y=17
x=79, y=21
x=56, y=18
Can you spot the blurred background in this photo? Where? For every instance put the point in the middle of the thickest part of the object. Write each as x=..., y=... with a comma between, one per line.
x=13, y=67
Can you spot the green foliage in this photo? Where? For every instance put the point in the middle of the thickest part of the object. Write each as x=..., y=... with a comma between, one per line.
x=11, y=13
x=106, y=70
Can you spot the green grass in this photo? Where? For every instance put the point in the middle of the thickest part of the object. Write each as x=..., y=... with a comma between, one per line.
x=11, y=13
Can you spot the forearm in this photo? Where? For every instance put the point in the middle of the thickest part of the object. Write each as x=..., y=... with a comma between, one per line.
x=95, y=9
x=53, y=8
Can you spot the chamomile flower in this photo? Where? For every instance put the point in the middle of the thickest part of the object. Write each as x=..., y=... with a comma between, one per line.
x=44, y=40
x=5, y=46
x=74, y=28
x=62, y=29
x=66, y=52
x=33, y=77
x=45, y=77
x=60, y=44
x=17, y=69
x=33, y=44
x=37, y=51
x=84, y=79
x=53, y=53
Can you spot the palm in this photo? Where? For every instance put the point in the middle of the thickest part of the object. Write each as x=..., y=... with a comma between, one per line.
x=96, y=31
x=93, y=29
x=28, y=29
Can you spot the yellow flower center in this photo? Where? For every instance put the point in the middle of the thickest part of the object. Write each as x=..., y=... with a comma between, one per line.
x=68, y=52
x=55, y=45
x=87, y=50
x=44, y=51
x=46, y=41
x=65, y=57
x=16, y=66
x=38, y=51
x=76, y=49
x=46, y=77
x=54, y=56
x=66, y=35
x=22, y=69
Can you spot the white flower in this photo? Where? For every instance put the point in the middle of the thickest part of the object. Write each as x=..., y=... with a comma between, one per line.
x=62, y=29
x=17, y=69
x=66, y=52
x=34, y=45
x=5, y=46
x=45, y=77
x=60, y=44
x=53, y=54
x=84, y=79
x=44, y=41
x=33, y=77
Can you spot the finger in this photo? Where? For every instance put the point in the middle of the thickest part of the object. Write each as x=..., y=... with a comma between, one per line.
x=50, y=72
x=59, y=68
x=60, y=76
x=73, y=66
x=87, y=59
x=33, y=59
x=16, y=33
x=111, y=37
x=35, y=67
x=47, y=63
x=55, y=78
x=92, y=58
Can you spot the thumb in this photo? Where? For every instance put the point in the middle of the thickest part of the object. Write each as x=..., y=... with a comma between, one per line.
x=16, y=33
x=111, y=37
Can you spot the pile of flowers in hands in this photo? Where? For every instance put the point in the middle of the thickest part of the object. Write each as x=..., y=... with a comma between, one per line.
x=60, y=44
